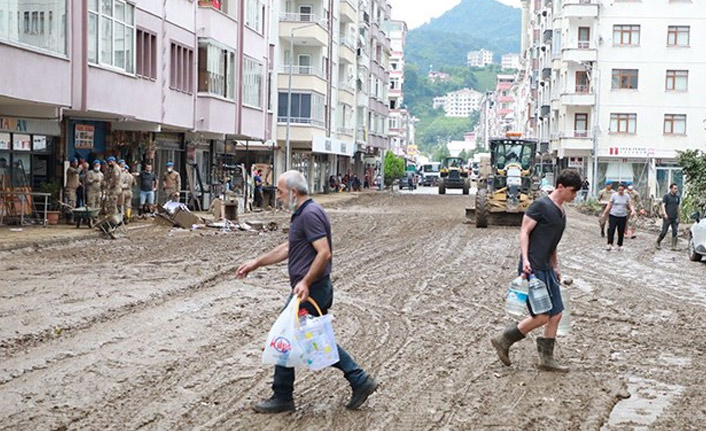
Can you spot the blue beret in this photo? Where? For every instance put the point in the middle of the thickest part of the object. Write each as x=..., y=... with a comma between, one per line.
x=121, y=161
x=110, y=159
x=97, y=162
x=170, y=164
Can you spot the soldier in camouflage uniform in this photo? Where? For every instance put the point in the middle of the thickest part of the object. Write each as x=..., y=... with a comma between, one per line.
x=127, y=183
x=171, y=182
x=639, y=209
x=94, y=186
x=113, y=186
x=604, y=199
x=72, y=182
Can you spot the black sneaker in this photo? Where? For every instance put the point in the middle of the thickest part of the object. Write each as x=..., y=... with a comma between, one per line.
x=361, y=393
x=274, y=405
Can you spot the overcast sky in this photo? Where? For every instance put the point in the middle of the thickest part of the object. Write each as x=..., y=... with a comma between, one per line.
x=417, y=12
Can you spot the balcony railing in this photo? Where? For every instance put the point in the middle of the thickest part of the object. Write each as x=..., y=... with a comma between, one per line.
x=302, y=17
x=304, y=70
x=346, y=131
x=584, y=44
x=583, y=88
x=347, y=87
x=347, y=41
x=301, y=120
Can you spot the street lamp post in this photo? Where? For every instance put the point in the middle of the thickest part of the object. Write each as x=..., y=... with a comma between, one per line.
x=287, y=145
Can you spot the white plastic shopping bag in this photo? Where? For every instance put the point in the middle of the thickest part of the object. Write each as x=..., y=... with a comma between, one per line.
x=282, y=347
x=315, y=337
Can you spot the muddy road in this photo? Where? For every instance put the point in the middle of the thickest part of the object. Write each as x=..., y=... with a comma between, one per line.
x=155, y=333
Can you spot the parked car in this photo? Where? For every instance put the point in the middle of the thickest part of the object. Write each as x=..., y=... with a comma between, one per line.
x=406, y=179
x=697, y=237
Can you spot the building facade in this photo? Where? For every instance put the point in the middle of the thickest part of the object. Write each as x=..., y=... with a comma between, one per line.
x=400, y=121
x=480, y=58
x=181, y=81
x=510, y=61
x=459, y=103
x=613, y=88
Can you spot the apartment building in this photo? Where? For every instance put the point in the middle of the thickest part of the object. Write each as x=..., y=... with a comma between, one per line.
x=614, y=89
x=460, y=103
x=178, y=81
x=400, y=120
x=480, y=58
x=510, y=61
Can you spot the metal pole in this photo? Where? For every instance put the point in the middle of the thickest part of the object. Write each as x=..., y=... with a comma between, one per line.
x=597, y=86
x=289, y=102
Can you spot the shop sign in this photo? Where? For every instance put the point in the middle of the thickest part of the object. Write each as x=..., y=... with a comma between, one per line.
x=13, y=124
x=576, y=162
x=632, y=151
x=83, y=138
x=325, y=145
x=4, y=141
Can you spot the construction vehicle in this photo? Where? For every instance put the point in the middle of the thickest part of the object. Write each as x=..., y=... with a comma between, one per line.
x=507, y=185
x=453, y=175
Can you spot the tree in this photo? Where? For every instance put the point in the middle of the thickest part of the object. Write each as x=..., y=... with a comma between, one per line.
x=463, y=155
x=693, y=163
x=440, y=152
x=394, y=167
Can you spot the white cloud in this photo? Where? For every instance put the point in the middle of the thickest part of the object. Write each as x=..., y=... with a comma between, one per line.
x=417, y=12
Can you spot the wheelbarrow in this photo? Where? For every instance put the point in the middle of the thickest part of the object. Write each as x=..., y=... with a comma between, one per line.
x=112, y=224
x=85, y=215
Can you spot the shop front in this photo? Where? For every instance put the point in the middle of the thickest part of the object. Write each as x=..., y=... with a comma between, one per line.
x=330, y=157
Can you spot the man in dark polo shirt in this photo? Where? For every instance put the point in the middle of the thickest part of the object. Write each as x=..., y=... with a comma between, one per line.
x=542, y=228
x=670, y=209
x=309, y=252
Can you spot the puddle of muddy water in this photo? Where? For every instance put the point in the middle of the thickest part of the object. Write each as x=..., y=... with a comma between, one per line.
x=648, y=400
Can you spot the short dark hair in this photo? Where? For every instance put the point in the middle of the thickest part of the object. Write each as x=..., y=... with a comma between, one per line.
x=569, y=178
x=673, y=185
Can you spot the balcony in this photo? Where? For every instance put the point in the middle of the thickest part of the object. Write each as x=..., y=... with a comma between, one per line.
x=545, y=110
x=346, y=94
x=580, y=9
x=576, y=139
x=546, y=73
x=578, y=99
x=315, y=34
x=347, y=52
x=348, y=131
x=581, y=53
x=348, y=11
x=303, y=78
x=547, y=37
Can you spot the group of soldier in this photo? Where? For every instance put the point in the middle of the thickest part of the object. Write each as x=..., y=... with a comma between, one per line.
x=109, y=185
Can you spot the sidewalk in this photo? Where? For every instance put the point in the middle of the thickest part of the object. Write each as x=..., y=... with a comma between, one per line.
x=16, y=237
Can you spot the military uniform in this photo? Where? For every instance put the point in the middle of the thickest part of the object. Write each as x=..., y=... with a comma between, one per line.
x=128, y=182
x=171, y=182
x=604, y=200
x=94, y=185
x=113, y=189
x=72, y=183
x=637, y=205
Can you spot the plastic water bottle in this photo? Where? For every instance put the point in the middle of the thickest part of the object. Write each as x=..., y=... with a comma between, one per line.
x=516, y=300
x=565, y=322
x=539, y=297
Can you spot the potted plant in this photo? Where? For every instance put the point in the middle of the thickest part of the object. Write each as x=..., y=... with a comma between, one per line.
x=53, y=210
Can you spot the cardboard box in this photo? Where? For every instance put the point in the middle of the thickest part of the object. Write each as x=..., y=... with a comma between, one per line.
x=186, y=219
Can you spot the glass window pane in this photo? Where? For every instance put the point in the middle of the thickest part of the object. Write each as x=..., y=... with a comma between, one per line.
x=306, y=105
x=4, y=144
x=106, y=41
x=130, y=14
x=93, y=5
x=120, y=11
x=107, y=7
x=281, y=106
x=21, y=142
x=680, y=126
x=92, y=38
x=129, y=49
x=119, y=59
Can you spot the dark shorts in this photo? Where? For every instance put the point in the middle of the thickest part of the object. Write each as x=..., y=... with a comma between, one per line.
x=549, y=278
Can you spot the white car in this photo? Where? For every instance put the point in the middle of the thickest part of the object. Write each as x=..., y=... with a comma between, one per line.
x=697, y=238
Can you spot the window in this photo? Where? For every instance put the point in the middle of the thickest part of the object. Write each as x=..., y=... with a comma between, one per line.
x=29, y=23
x=225, y=6
x=216, y=70
x=252, y=83
x=580, y=125
x=626, y=35
x=582, y=85
x=623, y=123
x=111, y=34
x=677, y=80
x=255, y=15
x=181, y=76
x=678, y=35
x=306, y=108
x=624, y=79
x=674, y=124
x=146, y=53
x=584, y=38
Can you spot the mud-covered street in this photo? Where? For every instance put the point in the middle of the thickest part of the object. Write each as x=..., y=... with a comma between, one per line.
x=154, y=332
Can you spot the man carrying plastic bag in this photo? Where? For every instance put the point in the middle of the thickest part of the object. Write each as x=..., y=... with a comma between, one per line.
x=309, y=253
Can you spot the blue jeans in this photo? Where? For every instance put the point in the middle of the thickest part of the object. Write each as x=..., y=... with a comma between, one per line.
x=146, y=197
x=666, y=223
x=283, y=383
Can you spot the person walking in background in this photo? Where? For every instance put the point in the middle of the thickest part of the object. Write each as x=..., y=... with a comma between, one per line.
x=309, y=252
x=585, y=186
x=604, y=199
x=671, y=214
x=619, y=206
x=542, y=228
x=258, y=188
x=636, y=200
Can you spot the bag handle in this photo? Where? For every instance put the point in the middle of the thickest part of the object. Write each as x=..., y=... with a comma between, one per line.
x=296, y=309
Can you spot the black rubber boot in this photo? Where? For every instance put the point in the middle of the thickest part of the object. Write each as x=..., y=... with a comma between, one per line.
x=274, y=405
x=545, y=348
x=502, y=342
x=675, y=241
x=361, y=393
